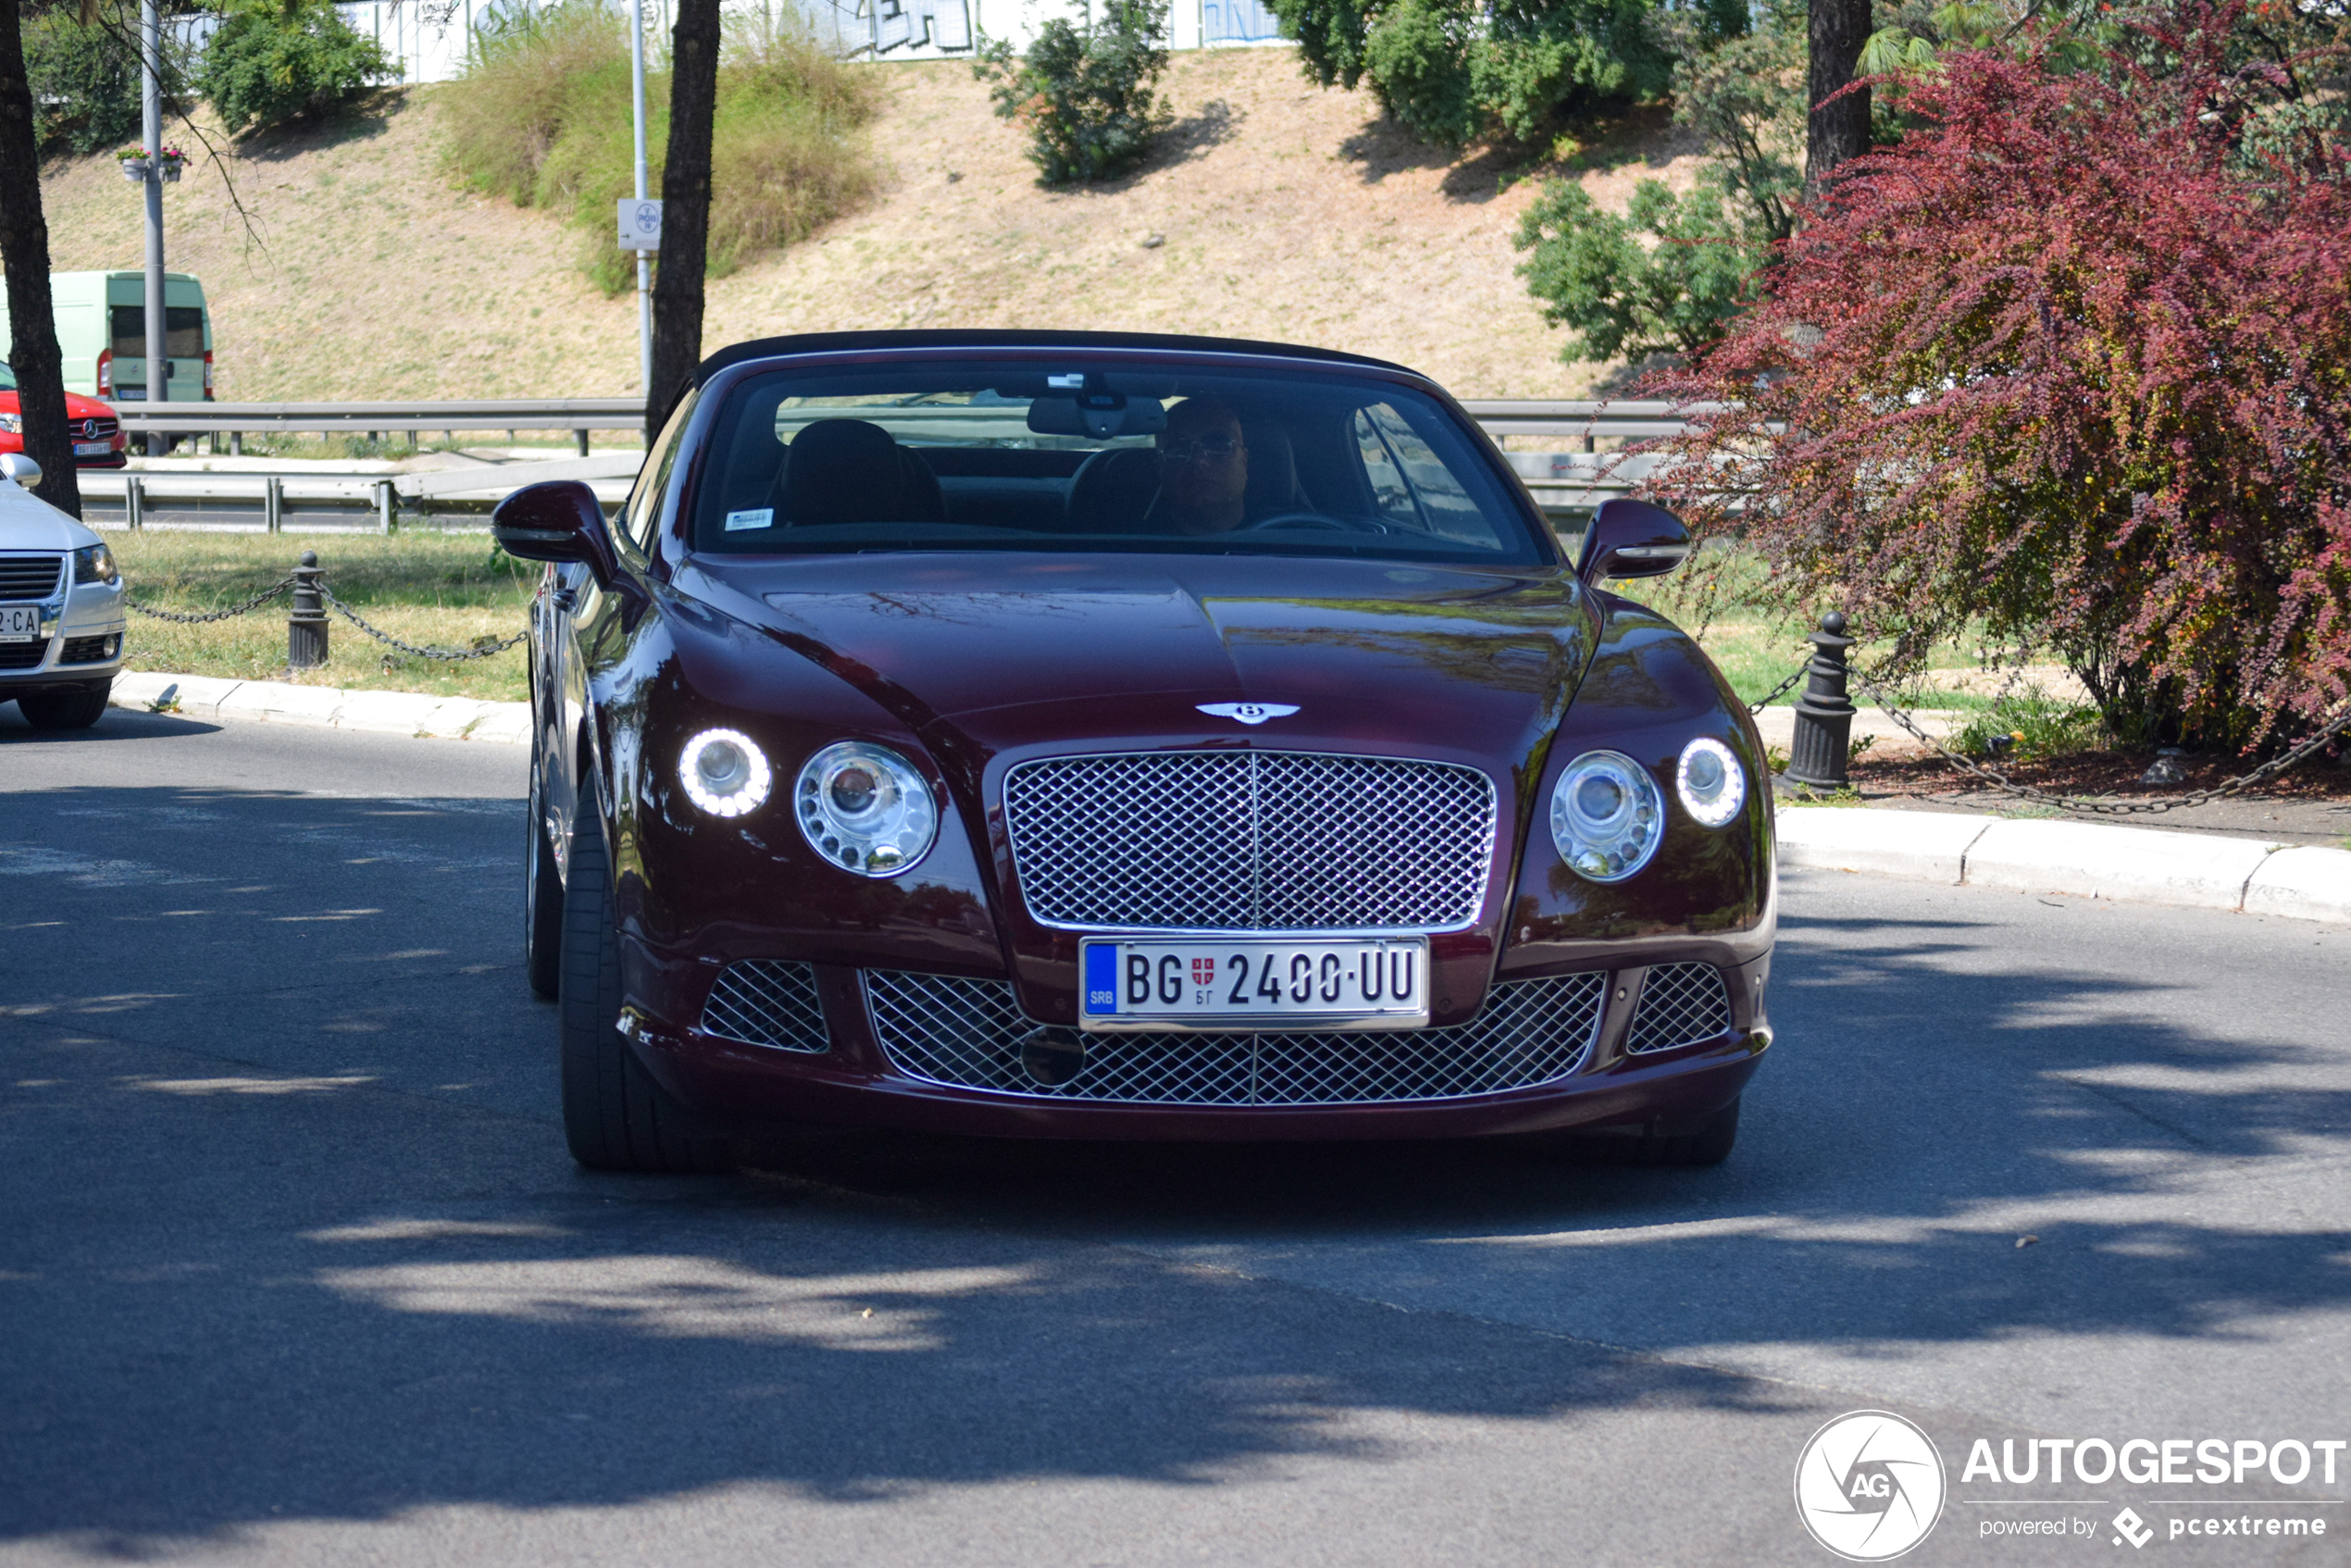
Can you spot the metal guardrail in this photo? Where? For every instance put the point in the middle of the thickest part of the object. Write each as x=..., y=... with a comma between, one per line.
x=1561, y=481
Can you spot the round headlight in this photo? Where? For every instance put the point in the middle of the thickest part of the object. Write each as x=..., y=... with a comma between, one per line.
x=865, y=809
x=1606, y=815
x=1710, y=782
x=724, y=772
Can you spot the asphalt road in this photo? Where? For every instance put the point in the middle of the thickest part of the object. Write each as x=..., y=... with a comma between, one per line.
x=295, y=1269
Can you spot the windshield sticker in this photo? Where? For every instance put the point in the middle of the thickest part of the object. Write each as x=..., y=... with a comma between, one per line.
x=762, y=518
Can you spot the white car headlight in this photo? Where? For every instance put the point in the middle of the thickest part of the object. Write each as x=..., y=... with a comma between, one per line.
x=865, y=809
x=1607, y=817
x=724, y=772
x=1709, y=780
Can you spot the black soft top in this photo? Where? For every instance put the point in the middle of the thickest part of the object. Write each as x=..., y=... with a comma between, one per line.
x=850, y=342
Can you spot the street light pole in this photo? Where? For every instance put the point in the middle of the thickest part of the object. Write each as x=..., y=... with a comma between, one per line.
x=151, y=110
x=644, y=266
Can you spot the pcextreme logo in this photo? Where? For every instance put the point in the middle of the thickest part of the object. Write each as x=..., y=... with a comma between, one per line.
x=1868, y=1486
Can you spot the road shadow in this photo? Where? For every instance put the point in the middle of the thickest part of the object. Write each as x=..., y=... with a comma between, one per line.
x=261, y=1270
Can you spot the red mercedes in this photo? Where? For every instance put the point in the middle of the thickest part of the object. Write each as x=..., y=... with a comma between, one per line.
x=98, y=441
x=1051, y=734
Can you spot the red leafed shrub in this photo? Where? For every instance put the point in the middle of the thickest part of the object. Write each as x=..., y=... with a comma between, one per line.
x=2075, y=358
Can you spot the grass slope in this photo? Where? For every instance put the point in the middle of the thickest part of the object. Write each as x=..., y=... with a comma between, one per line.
x=1287, y=213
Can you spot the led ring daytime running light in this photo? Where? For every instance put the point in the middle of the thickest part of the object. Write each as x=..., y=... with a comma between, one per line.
x=724, y=772
x=1711, y=782
x=1607, y=816
x=865, y=809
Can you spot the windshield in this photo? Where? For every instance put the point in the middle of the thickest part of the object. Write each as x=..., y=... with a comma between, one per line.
x=7, y=378
x=1091, y=453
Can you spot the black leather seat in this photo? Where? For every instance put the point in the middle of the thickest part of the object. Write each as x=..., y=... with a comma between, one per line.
x=852, y=471
x=1273, y=471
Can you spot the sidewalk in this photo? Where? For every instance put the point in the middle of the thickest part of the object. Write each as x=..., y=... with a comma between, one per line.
x=2082, y=859
x=385, y=713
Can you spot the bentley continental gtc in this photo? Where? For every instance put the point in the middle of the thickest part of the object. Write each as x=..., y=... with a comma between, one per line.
x=1063, y=735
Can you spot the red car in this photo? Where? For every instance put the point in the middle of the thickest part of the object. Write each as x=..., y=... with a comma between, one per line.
x=98, y=441
x=1117, y=736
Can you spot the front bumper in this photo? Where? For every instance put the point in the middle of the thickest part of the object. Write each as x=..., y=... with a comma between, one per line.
x=863, y=1059
x=80, y=643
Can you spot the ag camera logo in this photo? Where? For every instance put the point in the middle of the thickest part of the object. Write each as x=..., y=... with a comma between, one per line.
x=1868, y=1486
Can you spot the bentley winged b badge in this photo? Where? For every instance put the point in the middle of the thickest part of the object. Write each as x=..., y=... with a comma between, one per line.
x=1249, y=713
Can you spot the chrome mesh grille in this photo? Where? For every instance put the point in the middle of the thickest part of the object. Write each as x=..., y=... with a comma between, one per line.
x=1681, y=1003
x=968, y=1033
x=1251, y=841
x=29, y=576
x=767, y=1002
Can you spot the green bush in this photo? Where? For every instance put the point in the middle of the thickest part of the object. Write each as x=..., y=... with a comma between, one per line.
x=271, y=62
x=1673, y=273
x=2032, y=724
x=1455, y=71
x=1085, y=94
x=542, y=118
x=85, y=80
x=1676, y=294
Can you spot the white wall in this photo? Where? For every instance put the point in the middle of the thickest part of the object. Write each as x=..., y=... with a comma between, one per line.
x=429, y=47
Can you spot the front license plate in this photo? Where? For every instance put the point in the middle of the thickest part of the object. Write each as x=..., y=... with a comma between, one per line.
x=20, y=623
x=1298, y=984
x=92, y=448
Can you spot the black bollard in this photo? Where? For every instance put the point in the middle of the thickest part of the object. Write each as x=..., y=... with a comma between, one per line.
x=1821, y=752
x=306, y=621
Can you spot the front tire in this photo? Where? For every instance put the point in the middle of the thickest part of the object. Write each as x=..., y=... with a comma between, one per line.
x=64, y=710
x=615, y=1116
x=543, y=900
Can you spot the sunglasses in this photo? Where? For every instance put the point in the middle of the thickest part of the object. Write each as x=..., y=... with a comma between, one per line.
x=1214, y=447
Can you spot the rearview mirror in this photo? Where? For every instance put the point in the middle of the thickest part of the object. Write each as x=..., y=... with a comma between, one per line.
x=1632, y=538
x=1099, y=414
x=22, y=469
x=558, y=520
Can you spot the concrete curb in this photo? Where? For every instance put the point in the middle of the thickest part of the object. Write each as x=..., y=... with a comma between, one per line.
x=383, y=713
x=2084, y=859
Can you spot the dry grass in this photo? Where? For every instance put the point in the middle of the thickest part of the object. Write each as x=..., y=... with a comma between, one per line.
x=1287, y=213
x=434, y=589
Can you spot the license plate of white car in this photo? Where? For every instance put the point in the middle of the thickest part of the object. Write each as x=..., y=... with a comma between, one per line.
x=20, y=623
x=1296, y=983
x=92, y=448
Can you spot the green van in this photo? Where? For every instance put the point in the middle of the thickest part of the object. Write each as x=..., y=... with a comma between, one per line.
x=102, y=327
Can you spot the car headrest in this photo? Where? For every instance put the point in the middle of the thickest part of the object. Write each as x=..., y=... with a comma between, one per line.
x=1273, y=470
x=851, y=471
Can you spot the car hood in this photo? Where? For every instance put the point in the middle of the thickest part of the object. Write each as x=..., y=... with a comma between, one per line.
x=77, y=406
x=27, y=522
x=982, y=655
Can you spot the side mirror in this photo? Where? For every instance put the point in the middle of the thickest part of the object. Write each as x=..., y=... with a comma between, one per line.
x=559, y=520
x=22, y=469
x=1632, y=538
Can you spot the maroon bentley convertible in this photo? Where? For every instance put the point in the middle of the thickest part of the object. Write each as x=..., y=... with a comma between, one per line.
x=1100, y=735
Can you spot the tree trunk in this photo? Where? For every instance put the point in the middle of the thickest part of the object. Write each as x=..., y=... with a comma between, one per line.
x=685, y=209
x=24, y=251
x=1840, y=130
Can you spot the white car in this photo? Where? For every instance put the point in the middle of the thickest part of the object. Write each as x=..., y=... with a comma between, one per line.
x=61, y=616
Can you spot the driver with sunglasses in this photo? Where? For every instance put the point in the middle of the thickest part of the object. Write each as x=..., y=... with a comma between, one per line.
x=1203, y=468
